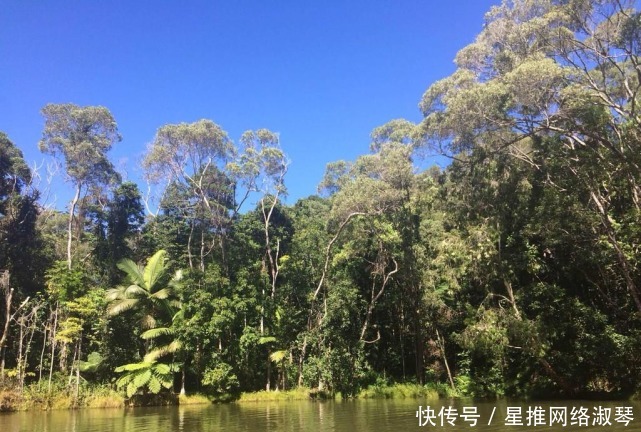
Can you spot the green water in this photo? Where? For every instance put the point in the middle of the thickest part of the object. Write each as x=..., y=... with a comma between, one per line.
x=352, y=416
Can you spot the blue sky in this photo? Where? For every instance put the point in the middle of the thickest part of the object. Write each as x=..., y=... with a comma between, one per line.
x=321, y=74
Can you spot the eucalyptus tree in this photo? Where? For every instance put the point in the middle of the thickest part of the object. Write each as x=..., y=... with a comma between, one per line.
x=260, y=171
x=191, y=160
x=545, y=73
x=82, y=136
x=364, y=257
x=301, y=269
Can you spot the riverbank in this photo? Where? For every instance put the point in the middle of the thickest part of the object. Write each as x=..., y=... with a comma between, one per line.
x=380, y=391
x=40, y=397
x=37, y=397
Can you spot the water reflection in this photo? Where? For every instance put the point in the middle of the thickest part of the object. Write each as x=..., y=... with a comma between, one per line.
x=361, y=415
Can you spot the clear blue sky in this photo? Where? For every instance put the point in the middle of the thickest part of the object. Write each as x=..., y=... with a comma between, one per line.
x=322, y=74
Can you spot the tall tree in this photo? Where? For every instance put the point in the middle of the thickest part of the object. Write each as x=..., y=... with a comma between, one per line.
x=82, y=136
x=190, y=160
x=19, y=239
x=567, y=70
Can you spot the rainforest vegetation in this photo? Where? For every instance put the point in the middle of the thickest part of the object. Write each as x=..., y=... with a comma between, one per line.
x=515, y=269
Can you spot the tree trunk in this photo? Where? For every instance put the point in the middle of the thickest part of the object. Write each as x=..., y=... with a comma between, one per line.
x=623, y=261
x=5, y=332
x=189, y=238
x=42, y=353
x=301, y=359
x=72, y=210
x=32, y=330
x=375, y=295
x=78, y=369
x=202, y=251
x=53, y=346
x=20, y=362
x=441, y=343
x=269, y=370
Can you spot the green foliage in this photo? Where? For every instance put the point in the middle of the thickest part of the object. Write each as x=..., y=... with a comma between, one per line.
x=14, y=171
x=94, y=361
x=149, y=289
x=65, y=284
x=82, y=135
x=300, y=393
x=145, y=377
x=193, y=399
x=220, y=379
x=116, y=229
x=21, y=246
x=382, y=390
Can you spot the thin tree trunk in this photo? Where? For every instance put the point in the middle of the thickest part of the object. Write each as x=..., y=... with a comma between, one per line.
x=53, y=346
x=401, y=340
x=189, y=256
x=72, y=210
x=301, y=359
x=5, y=331
x=73, y=362
x=42, y=353
x=20, y=362
x=78, y=369
x=2, y=363
x=374, y=299
x=269, y=370
x=623, y=261
x=441, y=343
x=328, y=254
x=32, y=330
x=202, y=250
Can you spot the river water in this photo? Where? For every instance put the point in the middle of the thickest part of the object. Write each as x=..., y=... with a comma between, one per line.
x=350, y=416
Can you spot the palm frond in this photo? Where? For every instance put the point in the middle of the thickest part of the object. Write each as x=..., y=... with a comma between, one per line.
x=278, y=356
x=266, y=339
x=176, y=304
x=134, y=366
x=156, y=353
x=180, y=315
x=162, y=294
x=154, y=385
x=141, y=379
x=132, y=270
x=131, y=389
x=119, y=306
x=162, y=369
x=155, y=268
x=133, y=291
x=124, y=380
x=167, y=382
x=114, y=294
x=157, y=332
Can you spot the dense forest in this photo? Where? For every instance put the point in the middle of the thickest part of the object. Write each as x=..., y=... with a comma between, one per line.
x=514, y=270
